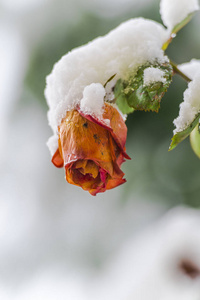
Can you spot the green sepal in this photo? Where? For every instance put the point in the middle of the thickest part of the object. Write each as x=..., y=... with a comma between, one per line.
x=180, y=136
x=123, y=105
x=121, y=99
x=109, y=79
x=195, y=140
x=131, y=94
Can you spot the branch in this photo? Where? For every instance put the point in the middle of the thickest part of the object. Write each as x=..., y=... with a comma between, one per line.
x=178, y=71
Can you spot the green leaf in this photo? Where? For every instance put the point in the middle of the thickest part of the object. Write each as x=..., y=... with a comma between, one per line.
x=195, y=140
x=131, y=94
x=180, y=136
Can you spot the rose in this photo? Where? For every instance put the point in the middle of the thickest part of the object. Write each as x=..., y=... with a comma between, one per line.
x=92, y=150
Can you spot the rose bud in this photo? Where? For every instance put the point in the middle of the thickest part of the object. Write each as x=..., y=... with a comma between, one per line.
x=91, y=150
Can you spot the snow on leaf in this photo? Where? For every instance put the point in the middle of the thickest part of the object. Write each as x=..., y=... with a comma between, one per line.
x=190, y=107
x=181, y=135
x=177, y=13
x=139, y=92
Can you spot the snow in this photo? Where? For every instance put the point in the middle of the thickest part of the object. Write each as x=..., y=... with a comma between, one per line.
x=174, y=12
x=52, y=144
x=190, y=107
x=190, y=68
x=152, y=75
x=120, y=52
x=93, y=99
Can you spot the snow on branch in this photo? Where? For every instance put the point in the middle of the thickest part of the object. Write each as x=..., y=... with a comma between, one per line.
x=173, y=12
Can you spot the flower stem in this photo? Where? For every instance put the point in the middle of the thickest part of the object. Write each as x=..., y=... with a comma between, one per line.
x=178, y=71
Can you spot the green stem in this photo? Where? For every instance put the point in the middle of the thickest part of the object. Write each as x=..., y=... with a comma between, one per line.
x=178, y=71
x=166, y=44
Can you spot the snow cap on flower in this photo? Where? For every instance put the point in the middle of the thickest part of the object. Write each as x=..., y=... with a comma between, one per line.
x=174, y=12
x=118, y=53
x=93, y=99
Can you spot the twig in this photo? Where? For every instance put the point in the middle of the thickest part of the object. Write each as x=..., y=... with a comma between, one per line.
x=178, y=71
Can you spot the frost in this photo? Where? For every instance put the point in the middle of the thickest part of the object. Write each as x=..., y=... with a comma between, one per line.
x=152, y=75
x=174, y=12
x=120, y=52
x=190, y=107
x=93, y=99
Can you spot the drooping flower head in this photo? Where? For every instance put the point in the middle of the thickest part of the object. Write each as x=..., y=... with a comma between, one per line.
x=89, y=133
x=92, y=151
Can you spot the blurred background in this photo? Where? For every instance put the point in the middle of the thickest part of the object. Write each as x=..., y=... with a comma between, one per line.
x=138, y=241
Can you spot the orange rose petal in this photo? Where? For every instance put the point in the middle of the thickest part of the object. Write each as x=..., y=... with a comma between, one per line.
x=57, y=159
x=74, y=176
x=83, y=139
x=117, y=125
x=114, y=183
x=80, y=164
x=93, y=119
x=119, y=129
x=87, y=167
x=91, y=168
x=86, y=182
